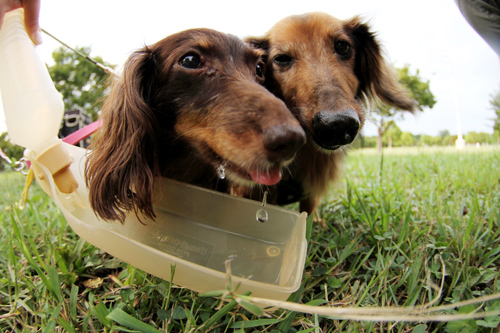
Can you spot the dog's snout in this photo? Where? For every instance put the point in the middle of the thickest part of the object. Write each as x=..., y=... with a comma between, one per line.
x=283, y=141
x=335, y=129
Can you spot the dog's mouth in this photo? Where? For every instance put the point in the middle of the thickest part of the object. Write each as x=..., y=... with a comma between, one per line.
x=268, y=176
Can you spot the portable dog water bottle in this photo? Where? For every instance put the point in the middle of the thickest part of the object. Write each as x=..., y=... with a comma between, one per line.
x=197, y=230
x=33, y=107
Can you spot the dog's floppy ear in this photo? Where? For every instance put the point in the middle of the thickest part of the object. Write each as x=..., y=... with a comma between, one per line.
x=121, y=169
x=378, y=80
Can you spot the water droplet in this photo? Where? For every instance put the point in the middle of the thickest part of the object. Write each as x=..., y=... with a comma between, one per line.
x=221, y=171
x=261, y=215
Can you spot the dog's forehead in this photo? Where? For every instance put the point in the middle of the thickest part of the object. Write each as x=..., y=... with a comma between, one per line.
x=216, y=43
x=206, y=39
x=311, y=29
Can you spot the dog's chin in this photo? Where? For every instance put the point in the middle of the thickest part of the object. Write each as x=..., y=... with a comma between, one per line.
x=236, y=179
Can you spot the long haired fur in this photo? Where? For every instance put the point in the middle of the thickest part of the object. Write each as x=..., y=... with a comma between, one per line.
x=324, y=69
x=183, y=107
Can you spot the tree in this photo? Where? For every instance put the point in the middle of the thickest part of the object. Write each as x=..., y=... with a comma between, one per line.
x=482, y=137
x=495, y=105
x=392, y=135
x=80, y=82
x=13, y=152
x=385, y=116
x=444, y=133
x=426, y=140
x=407, y=139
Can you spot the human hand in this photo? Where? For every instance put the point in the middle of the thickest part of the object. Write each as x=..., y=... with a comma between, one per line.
x=31, y=14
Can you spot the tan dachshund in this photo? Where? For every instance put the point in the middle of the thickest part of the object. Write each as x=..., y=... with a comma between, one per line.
x=325, y=70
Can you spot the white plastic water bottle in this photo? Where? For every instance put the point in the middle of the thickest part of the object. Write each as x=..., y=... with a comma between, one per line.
x=33, y=107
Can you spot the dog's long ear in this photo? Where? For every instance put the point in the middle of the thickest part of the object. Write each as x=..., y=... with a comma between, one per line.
x=378, y=80
x=123, y=165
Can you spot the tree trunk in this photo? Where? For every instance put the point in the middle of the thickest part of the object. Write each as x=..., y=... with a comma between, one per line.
x=379, y=140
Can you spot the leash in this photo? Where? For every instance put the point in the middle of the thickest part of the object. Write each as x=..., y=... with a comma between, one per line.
x=82, y=133
x=107, y=69
x=88, y=130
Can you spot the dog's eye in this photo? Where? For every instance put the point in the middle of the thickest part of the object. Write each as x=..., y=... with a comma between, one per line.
x=283, y=60
x=259, y=70
x=343, y=48
x=191, y=61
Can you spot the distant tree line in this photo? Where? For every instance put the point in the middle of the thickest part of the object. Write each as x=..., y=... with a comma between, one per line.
x=495, y=105
x=392, y=136
x=384, y=117
x=397, y=138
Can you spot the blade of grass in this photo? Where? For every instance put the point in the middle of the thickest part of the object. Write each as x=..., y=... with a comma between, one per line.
x=51, y=325
x=221, y=313
x=286, y=324
x=66, y=325
x=123, y=318
x=254, y=323
x=53, y=278
x=26, y=253
x=73, y=299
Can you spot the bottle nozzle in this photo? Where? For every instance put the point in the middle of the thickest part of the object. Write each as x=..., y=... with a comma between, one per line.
x=57, y=160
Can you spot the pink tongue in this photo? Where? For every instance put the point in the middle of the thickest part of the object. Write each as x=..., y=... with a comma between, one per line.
x=270, y=177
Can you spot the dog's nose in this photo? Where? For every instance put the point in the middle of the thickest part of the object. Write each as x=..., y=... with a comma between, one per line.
x=335, y=129
x=283, y=141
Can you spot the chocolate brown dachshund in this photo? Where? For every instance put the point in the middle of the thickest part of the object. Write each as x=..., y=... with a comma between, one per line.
x=183, y=108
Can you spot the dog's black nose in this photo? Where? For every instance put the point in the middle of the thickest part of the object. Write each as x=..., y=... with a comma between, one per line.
x=283, y=141
x=335, y=129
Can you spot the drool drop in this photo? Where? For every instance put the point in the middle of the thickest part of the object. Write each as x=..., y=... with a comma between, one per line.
x=261, y=214
x=221, y=172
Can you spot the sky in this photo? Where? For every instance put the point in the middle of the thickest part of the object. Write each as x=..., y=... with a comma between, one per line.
x=429, y=35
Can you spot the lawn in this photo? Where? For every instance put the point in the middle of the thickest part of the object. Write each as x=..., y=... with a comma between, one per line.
x=388, y=228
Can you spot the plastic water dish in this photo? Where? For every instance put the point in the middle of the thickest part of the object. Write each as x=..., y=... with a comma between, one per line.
x=197, y=230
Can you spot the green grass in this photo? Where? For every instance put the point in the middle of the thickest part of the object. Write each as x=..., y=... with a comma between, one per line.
x=386, y=232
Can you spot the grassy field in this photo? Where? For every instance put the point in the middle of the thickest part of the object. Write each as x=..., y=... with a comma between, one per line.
x=390, y=224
